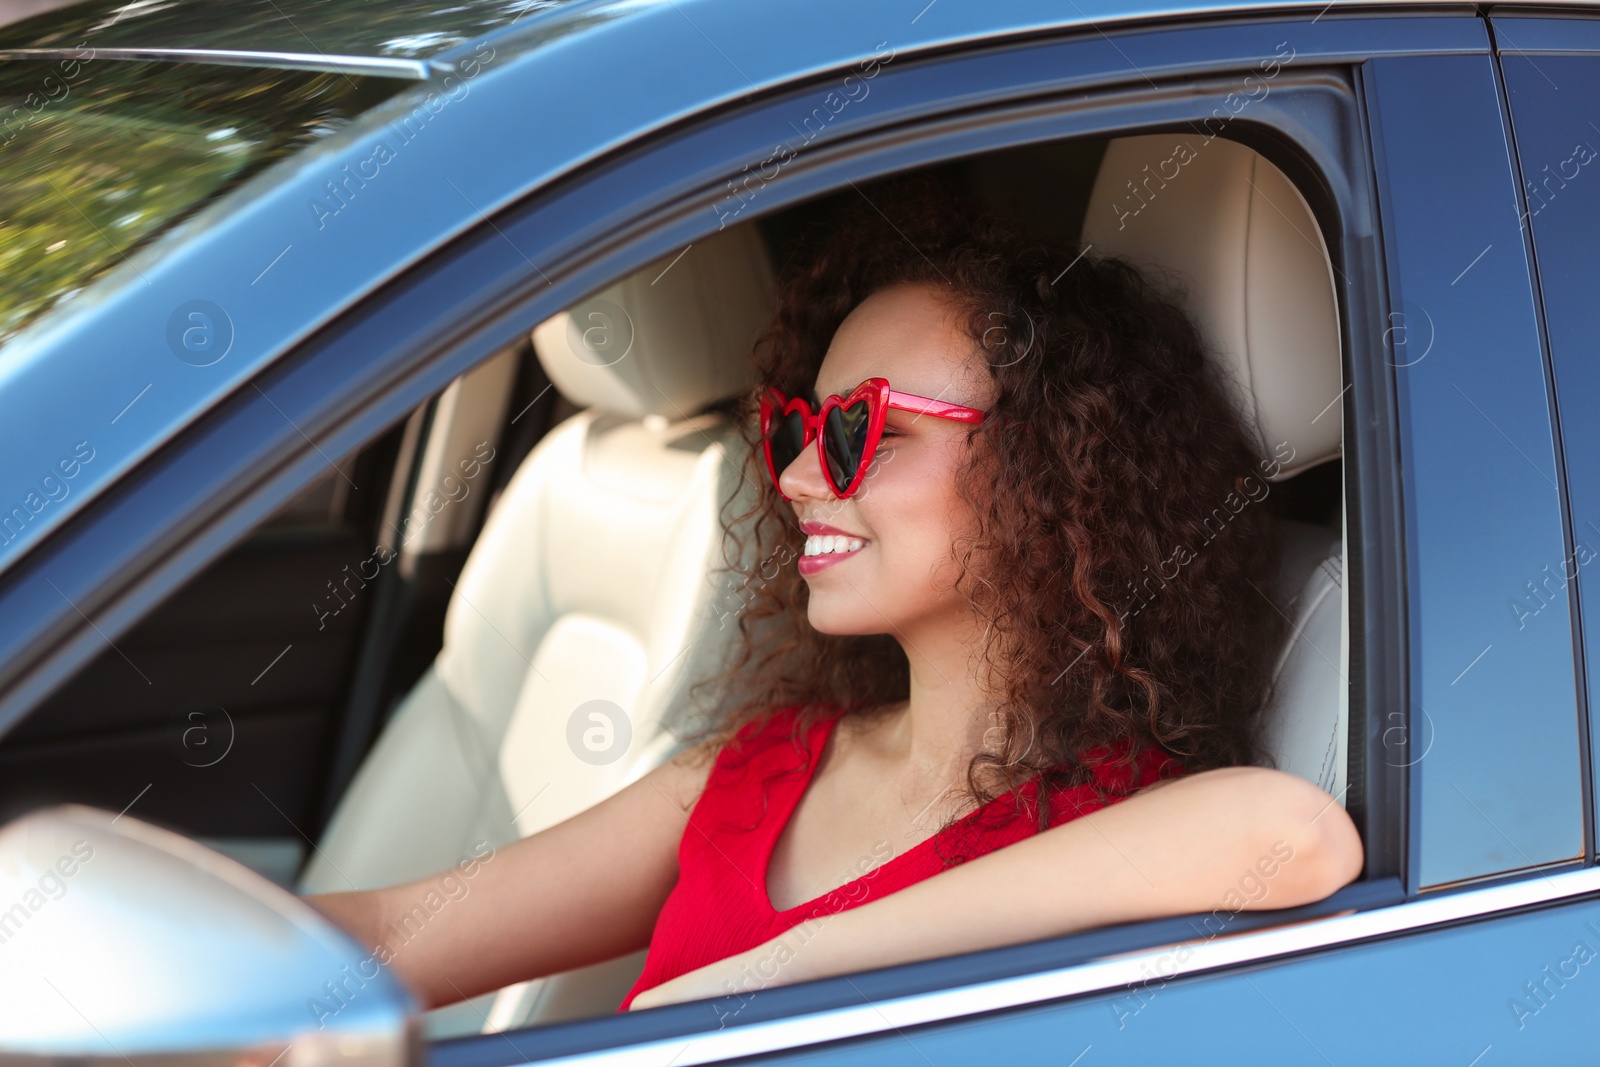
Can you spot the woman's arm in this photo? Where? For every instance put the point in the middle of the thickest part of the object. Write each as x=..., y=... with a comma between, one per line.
x=1185, y=845
x=585, y=890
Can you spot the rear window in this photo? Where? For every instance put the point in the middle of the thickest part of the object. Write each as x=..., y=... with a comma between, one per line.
x=98, y=157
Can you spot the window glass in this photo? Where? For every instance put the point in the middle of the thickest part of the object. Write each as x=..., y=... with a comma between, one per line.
x=1493, y=723
x=400, y=28
x=1555, y=110
x=98, y=157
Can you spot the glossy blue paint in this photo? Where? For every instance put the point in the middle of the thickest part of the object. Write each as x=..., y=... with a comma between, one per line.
x=523, y=106
x=1517, y=989
x=1555, y=117
x=1494, y=726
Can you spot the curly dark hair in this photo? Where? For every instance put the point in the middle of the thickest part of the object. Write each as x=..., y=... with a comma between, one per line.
x=1112, y=458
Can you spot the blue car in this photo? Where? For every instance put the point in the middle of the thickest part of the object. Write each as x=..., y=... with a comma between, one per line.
x=363, y=373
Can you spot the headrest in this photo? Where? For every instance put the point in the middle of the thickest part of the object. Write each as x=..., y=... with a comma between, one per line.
x=669, y=338
x=1256, y=274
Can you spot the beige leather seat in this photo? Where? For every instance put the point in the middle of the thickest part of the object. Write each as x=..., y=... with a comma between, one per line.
x=1229, y=231
x=586, y=608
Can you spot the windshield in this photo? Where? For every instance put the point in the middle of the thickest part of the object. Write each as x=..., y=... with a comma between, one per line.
x=98, y=157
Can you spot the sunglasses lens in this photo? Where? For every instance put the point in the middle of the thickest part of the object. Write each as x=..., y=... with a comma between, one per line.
x=786, y=440
x=844, y=437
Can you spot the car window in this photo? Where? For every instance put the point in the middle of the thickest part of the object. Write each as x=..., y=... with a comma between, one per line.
x=1555, y=111
x=510, y=631
x=1494, y=730
x=98, y=157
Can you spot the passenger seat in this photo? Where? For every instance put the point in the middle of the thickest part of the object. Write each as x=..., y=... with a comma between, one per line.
x=585, y=610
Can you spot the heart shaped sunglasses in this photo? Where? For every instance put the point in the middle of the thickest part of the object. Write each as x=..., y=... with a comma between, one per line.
x=847, y=429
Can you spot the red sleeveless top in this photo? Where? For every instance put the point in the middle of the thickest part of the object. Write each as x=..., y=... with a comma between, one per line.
x=720, y=907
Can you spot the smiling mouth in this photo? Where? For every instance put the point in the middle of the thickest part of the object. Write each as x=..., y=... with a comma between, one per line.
x=824, y=550
x=837, y=544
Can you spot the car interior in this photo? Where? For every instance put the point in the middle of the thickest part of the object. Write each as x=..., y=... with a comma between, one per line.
x=384, y=674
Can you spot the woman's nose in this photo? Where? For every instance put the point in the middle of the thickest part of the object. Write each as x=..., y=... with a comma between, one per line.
x=802, y=479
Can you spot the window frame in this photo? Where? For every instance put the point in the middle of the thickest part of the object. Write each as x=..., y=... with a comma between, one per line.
x=235, y=465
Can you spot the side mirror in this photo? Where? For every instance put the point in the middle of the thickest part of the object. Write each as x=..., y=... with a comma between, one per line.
x=123, y=944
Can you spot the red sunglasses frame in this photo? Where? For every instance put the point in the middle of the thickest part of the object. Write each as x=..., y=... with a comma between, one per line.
x=879, y=397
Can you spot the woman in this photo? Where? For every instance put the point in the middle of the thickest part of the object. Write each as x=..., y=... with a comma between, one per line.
x=993, y=666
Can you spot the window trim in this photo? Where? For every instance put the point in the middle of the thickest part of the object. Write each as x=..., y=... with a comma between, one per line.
x=236, y=464
x=384, y=66
x=1211, y=955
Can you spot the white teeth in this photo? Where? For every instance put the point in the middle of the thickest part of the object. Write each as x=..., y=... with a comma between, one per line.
x=831, y=544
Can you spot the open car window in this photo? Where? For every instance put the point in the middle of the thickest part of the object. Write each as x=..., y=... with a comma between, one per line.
x=479, y=593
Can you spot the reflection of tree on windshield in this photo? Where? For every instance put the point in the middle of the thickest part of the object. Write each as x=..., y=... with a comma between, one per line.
x=98, y=160
x=400, y=28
